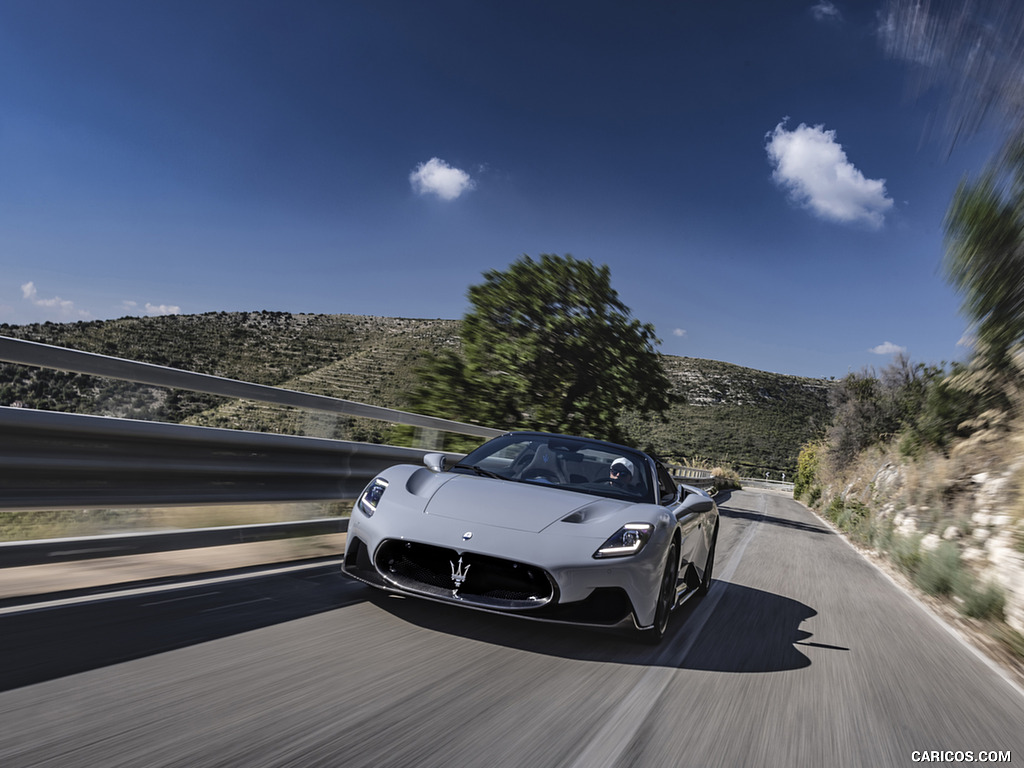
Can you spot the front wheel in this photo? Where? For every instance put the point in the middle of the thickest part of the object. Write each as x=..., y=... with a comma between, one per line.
x=666, y=597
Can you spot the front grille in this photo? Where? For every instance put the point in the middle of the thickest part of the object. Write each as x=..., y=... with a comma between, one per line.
x=487, y=581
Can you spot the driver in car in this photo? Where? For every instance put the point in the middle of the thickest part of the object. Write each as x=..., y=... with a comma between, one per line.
x=620, y=473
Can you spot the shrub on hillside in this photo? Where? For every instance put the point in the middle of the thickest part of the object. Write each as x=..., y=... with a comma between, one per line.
x=871, y=409
x=806, y=480
x=905, y=551
x=938, y=569
x=857, y=521
x=852, y=518
x=946, y=413
x=979, y=601
x=832, y=507
x=726, y=479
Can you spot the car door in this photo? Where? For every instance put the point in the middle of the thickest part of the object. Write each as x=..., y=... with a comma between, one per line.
x=693, y=544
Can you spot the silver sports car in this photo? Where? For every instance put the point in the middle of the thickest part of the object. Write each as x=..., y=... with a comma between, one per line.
x=542, y=526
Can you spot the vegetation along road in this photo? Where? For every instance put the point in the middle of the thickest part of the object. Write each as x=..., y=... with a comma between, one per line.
x=802, y=654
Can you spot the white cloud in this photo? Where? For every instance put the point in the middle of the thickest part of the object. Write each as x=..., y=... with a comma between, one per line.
x=436, y=177
x=162, y=309
x=888, y=348
x=812, y=167
x=132, y=307
x=826, y=11
x=64, y=307
x=679, y=332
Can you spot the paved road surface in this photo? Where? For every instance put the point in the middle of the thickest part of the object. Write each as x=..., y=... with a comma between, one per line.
x=802, y=654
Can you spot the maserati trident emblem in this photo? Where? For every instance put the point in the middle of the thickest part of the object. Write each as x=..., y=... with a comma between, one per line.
x=458, y=575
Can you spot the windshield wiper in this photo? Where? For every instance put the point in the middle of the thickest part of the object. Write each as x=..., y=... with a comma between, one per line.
x=481, y=471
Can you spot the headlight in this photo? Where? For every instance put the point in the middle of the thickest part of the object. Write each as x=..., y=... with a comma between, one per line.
x=628, y=540
x=371, y=496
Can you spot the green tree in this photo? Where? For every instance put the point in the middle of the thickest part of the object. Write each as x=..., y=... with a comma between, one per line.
x=948, y=411
x=984, y=261
x=548, y=345
x=860, y=417
x=984, y=257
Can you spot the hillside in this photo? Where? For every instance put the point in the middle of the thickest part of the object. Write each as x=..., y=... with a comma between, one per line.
x=724, y=414
x=742, y=418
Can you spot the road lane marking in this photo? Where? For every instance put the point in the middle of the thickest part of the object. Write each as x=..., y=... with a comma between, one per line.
x=178, y=599
x=236, y=605
x=707, y=605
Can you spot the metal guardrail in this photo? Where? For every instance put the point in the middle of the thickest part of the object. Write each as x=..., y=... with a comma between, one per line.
x=688, y=474
x=700, y=478
x=54, y=460
x=61, y=359
x=58, y=460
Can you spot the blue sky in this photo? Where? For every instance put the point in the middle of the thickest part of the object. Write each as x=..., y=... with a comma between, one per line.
x=759, y=176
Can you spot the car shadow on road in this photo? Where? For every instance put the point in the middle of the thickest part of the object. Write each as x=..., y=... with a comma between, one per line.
x=735, y=511
x=733, y=629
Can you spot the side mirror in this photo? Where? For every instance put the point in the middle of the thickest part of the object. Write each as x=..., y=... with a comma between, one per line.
x=436, y=462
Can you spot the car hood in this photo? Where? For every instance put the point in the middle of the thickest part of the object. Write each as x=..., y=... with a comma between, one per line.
x=508, y=504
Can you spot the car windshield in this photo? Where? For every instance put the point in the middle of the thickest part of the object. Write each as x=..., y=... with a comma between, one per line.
x=575, y=464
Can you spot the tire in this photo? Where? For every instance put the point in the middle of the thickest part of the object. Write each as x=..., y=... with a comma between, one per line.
x=705, y=582
x=666, y=597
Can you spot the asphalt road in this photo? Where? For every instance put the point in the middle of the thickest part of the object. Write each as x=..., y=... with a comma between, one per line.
x=802, y=654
